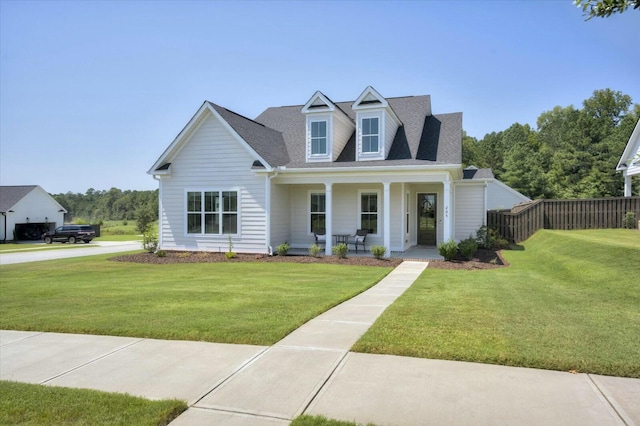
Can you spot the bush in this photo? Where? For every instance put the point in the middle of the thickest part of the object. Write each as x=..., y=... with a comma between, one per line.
x=488, y=238
x=161, y=253
x=448, y=250
x=630, y=220
x=468, y=247
x=283, y=249
x=340, y=250
x=150, y=240
x=125, y=222
x=378, y=251
x=315, y=250
x=230, y=255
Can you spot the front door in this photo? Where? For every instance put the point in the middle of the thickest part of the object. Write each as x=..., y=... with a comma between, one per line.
x=427, y=219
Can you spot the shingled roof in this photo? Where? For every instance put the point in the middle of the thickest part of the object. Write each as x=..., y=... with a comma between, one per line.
x=422, y=139
x=10, y=195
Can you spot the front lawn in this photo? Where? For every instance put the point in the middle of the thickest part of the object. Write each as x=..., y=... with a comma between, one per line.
x=569, y=301
x=28, y=404
x=252, y=303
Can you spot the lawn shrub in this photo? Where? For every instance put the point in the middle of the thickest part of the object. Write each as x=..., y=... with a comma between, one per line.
x=283, y=249
x=340, y=250
x=630, y=220
x=378, y=251
x=230, y=255
x=161, y=253
x=468, y=247
x=448, y=250
x=150, y=240
x=315, y=250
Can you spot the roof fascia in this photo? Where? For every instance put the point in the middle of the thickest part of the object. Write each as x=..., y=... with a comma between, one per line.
x=308, y=107
x=365, y=169
x=633, y=146
x=384, y=104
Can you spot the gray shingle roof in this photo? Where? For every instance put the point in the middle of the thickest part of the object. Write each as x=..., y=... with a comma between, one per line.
x=422, y=139
x=473, y=172
x=268, y=143
x=10, y=195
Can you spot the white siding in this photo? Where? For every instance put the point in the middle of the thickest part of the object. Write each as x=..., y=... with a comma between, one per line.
x=469, y=213
x=343, y=128
x=501, y=196
x=212, y=159
x=390, y=129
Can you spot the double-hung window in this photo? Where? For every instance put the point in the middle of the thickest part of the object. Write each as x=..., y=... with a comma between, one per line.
x=369, y=212
x=318, y=138
x=370, y=134
x=212, y=212
x=317, y=211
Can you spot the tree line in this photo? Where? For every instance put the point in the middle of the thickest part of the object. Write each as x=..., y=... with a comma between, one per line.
x=573, y=152
x=95, y=206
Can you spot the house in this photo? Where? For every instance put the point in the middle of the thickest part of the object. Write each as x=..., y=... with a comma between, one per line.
x=27, y=212
x=387, y=165
x=629, y=163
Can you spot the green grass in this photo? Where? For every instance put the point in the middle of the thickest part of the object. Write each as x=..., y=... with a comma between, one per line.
x=252, y=303
x=116, y=230
x=306, y=420
x=127, y=237
x=569, y=301
x=28, y=404
x=21, y=248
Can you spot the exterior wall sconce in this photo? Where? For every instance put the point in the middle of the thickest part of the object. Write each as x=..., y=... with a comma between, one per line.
x=27, y=220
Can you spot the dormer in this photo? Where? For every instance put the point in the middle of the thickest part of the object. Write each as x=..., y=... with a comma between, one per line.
x=376, y=125
x=328, y=129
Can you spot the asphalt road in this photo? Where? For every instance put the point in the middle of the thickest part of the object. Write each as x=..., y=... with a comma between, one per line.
x=102, y=247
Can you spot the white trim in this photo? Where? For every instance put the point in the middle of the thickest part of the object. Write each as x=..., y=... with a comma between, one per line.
x=360, y=212
x=370, y=155
x=328, y=200
x=308, y=107
x=328, y=119
x=631, y=149
x=220, y=213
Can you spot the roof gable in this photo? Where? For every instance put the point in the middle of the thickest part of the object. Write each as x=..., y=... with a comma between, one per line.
x=264, y=144
x=10, y=196
x=630, y=158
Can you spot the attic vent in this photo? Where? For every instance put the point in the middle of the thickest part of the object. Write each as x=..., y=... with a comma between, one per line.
x=165, y=166
x=257, y=165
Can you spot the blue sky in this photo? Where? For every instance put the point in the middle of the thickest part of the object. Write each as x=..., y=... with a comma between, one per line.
x=91, y=93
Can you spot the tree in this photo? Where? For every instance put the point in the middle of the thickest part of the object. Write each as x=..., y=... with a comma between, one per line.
x=523, y=162
x=604, y=8
x=145, y=216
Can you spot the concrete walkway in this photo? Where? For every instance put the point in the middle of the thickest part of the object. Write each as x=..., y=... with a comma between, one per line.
x=311, y=371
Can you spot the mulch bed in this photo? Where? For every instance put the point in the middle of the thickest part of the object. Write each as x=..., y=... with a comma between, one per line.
x=485, y=259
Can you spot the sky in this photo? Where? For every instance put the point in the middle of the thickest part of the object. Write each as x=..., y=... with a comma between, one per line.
x=92, y=92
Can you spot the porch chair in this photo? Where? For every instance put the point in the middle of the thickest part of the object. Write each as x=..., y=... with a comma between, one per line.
x=359, y=239
x=321, y=236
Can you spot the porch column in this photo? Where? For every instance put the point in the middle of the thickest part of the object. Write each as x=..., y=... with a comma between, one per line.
x=386, y=199
x=446, y=222
x=627, y=184
x=328, y=195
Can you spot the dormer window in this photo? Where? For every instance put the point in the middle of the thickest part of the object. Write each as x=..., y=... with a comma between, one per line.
x=370, y=135
x=318, y=137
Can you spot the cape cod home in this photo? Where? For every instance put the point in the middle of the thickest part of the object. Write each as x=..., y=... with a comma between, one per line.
x=386, y=165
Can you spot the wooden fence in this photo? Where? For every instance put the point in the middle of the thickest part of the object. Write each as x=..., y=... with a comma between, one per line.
x=524, y=220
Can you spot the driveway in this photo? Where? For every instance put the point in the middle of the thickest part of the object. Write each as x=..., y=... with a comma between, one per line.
x=95, y=247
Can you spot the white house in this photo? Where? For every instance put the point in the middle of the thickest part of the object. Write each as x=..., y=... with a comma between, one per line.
x=27, y=212
x=629, y=163
x=387, y=165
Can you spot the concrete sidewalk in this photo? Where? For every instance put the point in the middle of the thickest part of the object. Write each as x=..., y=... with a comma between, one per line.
x=311, y=371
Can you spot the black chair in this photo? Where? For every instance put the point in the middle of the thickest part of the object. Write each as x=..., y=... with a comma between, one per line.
x=321, y=236
x=359, y=239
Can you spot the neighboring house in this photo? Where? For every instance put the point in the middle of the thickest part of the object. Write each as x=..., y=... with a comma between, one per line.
x=386, y=165
x=629, y=163
x=27, y=212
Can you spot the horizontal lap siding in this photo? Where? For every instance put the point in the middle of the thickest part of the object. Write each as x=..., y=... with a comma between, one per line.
x=213, y=159
x=469, y=210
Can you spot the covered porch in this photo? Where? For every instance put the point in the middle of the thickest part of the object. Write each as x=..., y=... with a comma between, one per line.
x=408, y=214
x=417, y=253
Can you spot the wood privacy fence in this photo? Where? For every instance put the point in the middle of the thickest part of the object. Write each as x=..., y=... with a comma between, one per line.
x=524, y=220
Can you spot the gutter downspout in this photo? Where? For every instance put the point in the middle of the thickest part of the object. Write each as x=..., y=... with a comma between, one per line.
x=159, y=210
x=268, y=210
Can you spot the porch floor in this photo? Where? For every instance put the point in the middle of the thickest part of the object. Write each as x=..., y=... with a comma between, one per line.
x=417, y=253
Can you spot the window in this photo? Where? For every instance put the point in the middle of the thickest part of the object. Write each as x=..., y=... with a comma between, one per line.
x=318, y=212
x=318, y=138
x=369, y=212
x=370, y=134
x=212, y=212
